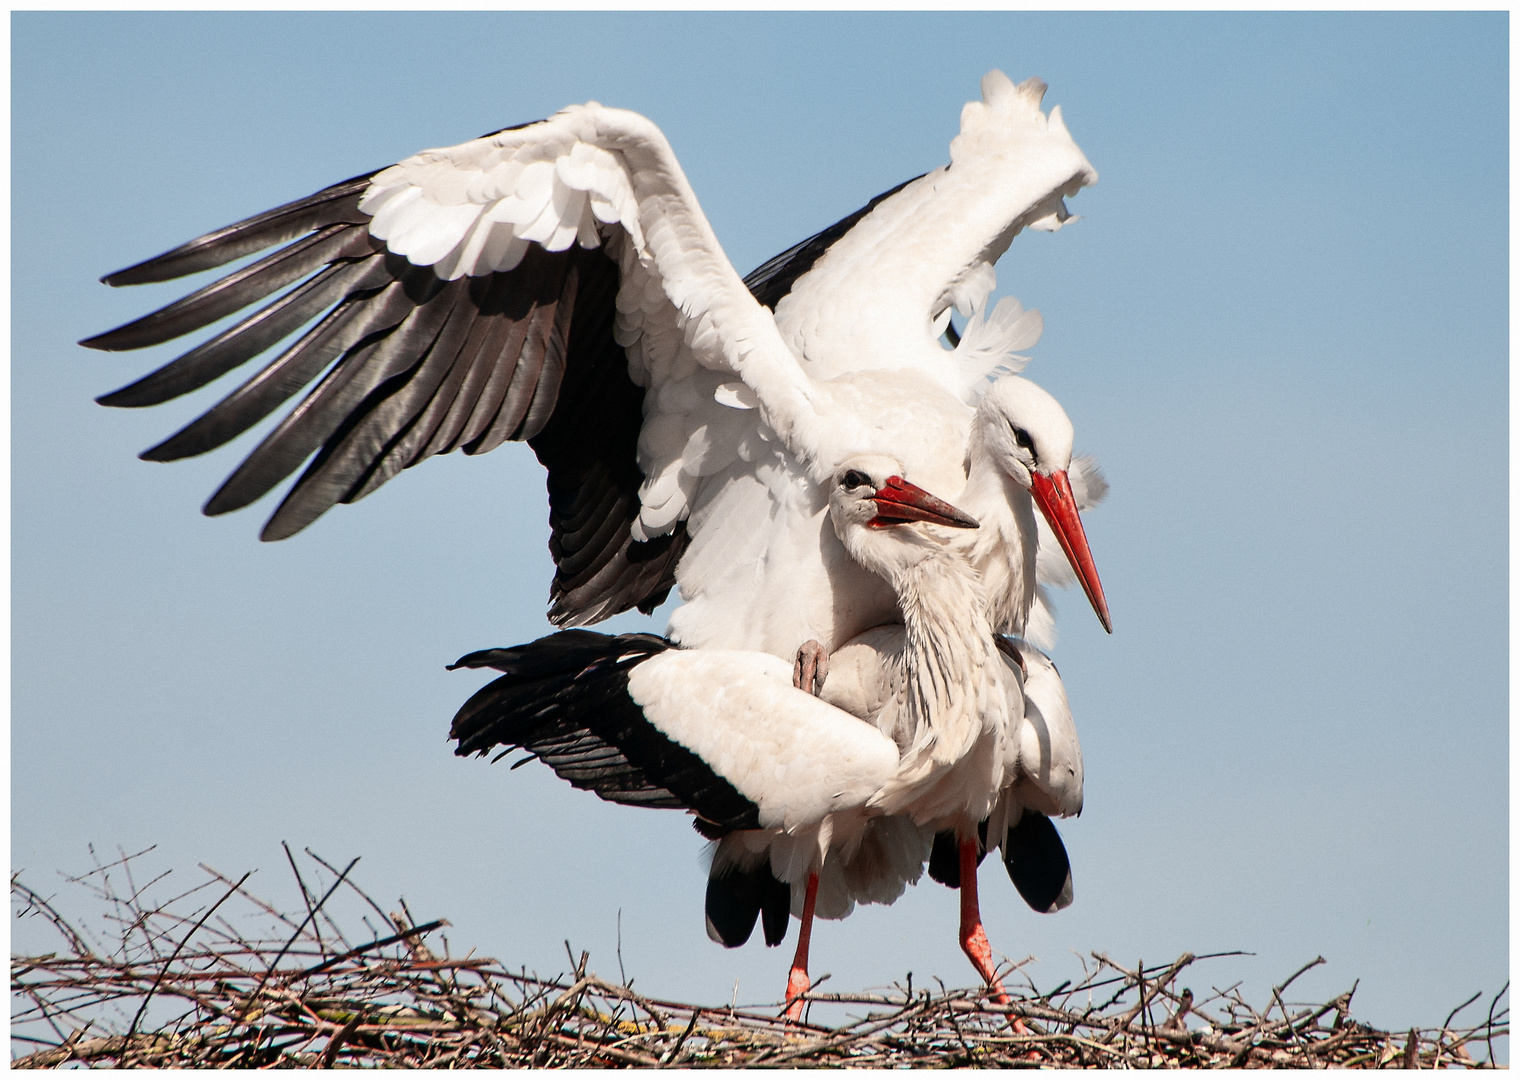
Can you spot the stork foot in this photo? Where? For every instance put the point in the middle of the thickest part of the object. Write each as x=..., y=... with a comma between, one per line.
x=797, y=984
x=980, y=952
x=811, y=668
x=974, y=945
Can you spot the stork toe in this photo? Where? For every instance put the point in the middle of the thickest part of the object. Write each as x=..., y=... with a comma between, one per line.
x=811, y=668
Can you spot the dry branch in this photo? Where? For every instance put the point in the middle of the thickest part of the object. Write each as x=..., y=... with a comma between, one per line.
x=169, y=985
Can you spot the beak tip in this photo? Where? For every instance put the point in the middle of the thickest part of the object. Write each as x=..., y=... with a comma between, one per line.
x=1101, y=610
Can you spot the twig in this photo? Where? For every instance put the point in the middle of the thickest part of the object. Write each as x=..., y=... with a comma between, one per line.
x=132, y=1029
x=416, y=931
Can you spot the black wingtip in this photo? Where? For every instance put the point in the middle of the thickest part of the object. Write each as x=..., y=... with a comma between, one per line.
x=135, y=395
x=101, y=342
x=274, y=530
x=149, y=271
x=945, y=860
x=481, y=658
x=737, y=898
x=142, y=273
x=1037, y=863
x=123, y=277
x=775, y=909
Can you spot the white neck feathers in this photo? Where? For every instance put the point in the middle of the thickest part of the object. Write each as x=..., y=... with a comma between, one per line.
x=1003, y=550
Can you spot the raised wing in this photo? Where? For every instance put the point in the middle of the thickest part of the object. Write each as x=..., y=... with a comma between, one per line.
x=554, y=283
x=880, y=295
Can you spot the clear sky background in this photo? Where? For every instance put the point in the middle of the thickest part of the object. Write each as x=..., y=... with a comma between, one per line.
x=1281, y=325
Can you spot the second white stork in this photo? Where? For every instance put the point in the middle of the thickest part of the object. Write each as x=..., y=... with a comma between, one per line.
x=724, y=734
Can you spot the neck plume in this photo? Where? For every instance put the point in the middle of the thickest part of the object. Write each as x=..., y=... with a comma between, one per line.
x=1003, y=550
x=952, y=709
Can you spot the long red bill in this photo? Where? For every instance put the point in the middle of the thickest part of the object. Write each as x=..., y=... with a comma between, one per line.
x=1052, y=494
x=899, y=501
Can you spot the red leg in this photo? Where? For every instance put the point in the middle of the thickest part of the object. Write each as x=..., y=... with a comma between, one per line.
x=797, y=983
x=973, y=937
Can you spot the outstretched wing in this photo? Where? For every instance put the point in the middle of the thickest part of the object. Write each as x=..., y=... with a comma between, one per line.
x=554, y=283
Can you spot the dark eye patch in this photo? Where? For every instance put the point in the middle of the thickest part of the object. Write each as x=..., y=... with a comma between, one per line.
x=853, y=479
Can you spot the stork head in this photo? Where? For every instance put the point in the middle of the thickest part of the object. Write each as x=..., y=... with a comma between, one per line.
x=871, y=504
x=1029, y=437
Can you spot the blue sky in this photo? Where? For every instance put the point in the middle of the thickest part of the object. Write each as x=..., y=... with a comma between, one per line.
x=1281, y=325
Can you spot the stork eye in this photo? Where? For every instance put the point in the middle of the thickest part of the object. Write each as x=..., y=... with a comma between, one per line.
x=853, y=479
x=1021, y=437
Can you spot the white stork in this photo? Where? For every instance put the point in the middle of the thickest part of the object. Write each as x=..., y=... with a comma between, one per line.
x=724, y=734
x=1040, y=778
x=787, y=777
x=557, y=283
x=936, y=681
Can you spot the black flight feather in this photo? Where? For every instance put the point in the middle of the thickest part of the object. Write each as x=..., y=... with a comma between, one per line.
x=330, y=408
x=239, y=289
x=238, y=344
x=338, y=203
x=736, y=898
x=413, y=368
x=565, y=698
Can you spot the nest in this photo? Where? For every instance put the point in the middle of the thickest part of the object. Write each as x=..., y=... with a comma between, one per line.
x=189, y=983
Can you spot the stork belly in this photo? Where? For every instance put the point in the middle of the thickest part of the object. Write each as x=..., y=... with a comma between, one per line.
x=948, y=796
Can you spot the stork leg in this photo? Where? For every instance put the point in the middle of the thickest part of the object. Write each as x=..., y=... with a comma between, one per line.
x=811, y=667
x=797, y=983
x=973, y=936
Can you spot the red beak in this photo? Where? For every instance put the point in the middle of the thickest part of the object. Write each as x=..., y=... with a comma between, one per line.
x=899, y=502
x=1053, y=496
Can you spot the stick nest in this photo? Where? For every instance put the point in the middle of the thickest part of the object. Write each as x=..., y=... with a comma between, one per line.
x=190, y=982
